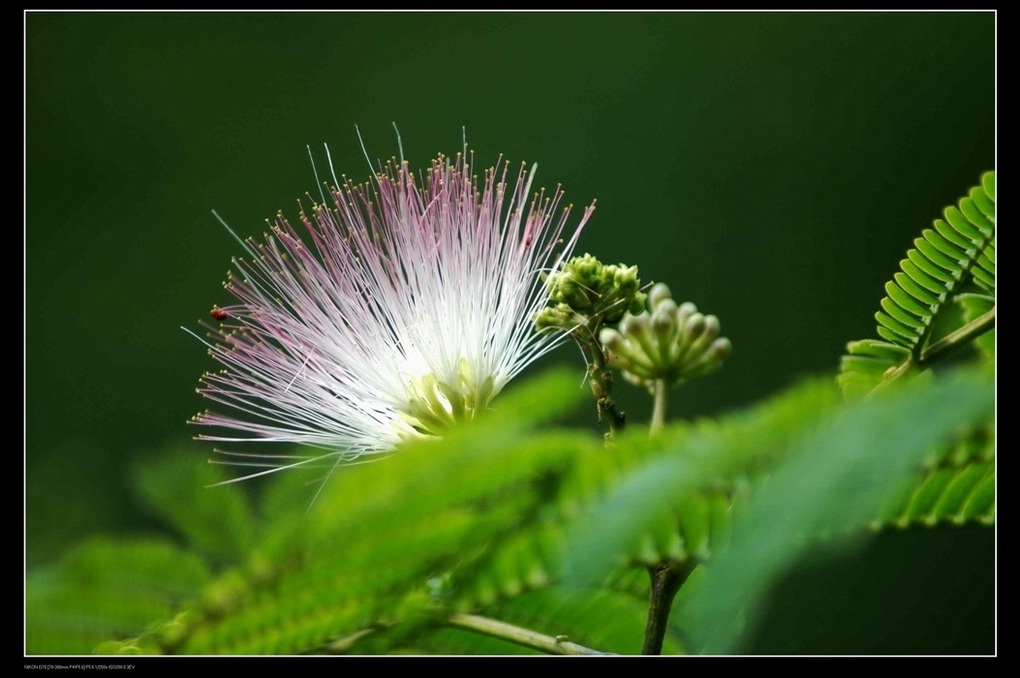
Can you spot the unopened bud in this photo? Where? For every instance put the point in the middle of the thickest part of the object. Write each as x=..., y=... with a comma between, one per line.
x=721, y=348
x=700, y=343
x=668, y=344
x=637, y=326
x=659, y=293
x=695, y=326
x=683, y=314
x=664, y=318
x=711, y=359
x=559, y=316
x=711, y=327
x=666, y=307
x=596, y=290
x=611, y=339
x=666, y=333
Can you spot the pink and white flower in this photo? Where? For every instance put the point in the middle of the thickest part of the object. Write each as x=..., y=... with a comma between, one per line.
x=408, y=306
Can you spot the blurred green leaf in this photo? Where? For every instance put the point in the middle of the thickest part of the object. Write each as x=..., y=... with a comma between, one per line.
x=832, y=485
x=182, y=490
x=104, y=589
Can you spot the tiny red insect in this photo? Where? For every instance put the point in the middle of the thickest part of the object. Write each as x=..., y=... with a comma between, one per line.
x=218, y=313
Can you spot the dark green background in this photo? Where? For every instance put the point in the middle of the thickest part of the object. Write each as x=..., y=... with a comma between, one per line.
x=771, y=167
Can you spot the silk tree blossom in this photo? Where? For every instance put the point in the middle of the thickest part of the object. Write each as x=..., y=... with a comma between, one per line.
x=407, y=306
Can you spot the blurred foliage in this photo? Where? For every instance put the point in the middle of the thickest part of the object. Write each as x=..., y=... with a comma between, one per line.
x=534, y=527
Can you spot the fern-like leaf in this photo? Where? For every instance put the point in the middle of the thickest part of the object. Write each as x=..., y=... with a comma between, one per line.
x=376, y=534
x=482, y=522
x=105, y=589
x=833, y=482
x=217, y=521
x=958, y=251
x=957, y=487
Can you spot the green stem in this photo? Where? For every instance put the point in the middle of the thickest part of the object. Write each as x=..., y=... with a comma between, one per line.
x=659, y=406
x=484, y=625
x=959, y=338
x=342, y=645
x=945, y=346
x=519, y=635
x=601, y=379
x=666, y=577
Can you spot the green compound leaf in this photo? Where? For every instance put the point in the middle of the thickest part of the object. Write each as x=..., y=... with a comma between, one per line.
x=834, y=481
x=486, y=521
x=105, y=589
x=685, y=530
x=957, y=488
x=217, y=520
x=918, y=310
x=377, y=534
x=484, y=511
x=698, y=472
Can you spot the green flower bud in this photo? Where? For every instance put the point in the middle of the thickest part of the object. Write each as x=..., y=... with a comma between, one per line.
x=590, y=288
x=659, y=292
x=611, y=339
x=670, y=343
x=695, y=327
x=684, y=312
x=721, y=349
x=664, y=317
x=711, y=326
x=711, y=359
x=629, y=324
x=639, y=325
x=556, y=317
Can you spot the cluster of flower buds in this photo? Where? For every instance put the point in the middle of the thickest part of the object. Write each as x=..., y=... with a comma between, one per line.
x=670, y=344
x=585, y=289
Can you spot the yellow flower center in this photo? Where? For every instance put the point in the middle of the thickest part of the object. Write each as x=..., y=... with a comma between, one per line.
x=434, y=406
